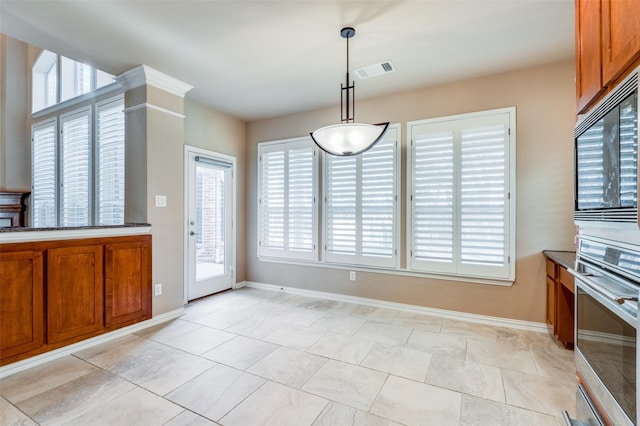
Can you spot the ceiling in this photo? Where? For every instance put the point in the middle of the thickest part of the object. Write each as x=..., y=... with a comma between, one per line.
x=259, y=59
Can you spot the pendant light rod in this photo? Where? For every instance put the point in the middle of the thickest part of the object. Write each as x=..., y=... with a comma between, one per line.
x=348, y=91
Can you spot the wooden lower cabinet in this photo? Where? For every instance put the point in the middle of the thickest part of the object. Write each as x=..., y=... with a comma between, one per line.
x=75, y=292
x=560, y=303
x=21, y=302
x=127, y=282
x=54, y=293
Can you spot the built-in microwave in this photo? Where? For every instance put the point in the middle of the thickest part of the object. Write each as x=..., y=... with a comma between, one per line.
x=606, y=158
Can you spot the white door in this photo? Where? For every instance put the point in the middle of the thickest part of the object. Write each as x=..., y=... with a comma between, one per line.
x=209, y=238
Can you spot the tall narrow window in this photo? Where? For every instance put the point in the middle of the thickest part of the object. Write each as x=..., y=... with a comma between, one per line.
x=462, y=189
x=110, y=172
x=44, y=176
x=287, y=199
x=75, y=156
x=361, y=209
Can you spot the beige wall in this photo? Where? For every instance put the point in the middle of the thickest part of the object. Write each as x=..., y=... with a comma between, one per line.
x=15, y=134
x=544, y=98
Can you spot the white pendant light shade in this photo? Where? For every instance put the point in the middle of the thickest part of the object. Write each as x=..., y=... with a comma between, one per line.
x=348, y=138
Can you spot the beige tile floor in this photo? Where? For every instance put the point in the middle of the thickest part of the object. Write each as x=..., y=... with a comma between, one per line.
x=257, y=357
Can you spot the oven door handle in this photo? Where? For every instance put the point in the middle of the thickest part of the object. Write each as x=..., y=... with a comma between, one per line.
x=595, y=286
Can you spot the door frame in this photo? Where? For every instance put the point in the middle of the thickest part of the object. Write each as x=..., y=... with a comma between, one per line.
x=189, y=149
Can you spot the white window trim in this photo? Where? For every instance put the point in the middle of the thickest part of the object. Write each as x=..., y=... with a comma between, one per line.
x=393, y=131
x=265, y=253
x=511, y=217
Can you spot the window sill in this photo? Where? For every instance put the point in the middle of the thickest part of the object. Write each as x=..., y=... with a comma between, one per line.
x=390, y=271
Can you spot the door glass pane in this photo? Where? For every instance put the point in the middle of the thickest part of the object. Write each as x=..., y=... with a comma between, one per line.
x=210, y=220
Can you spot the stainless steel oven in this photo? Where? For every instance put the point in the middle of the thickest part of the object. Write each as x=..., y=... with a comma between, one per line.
x=607, y=289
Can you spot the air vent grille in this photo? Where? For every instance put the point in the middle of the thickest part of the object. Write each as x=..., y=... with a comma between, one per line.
x=375, y=70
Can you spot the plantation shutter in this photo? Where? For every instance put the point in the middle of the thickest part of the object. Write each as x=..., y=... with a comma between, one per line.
x=361, y=205
x=110, y=172
x=433, y=198
x=43, y=166
x=460, y=201
x=287, y=194
x=483, y=196
x=75, y=169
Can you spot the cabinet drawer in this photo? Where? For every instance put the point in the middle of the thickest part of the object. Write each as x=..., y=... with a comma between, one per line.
x=566, y=279
x=551, y=269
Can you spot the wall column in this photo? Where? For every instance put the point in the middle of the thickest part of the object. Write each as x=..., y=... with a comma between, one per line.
x=154, y=106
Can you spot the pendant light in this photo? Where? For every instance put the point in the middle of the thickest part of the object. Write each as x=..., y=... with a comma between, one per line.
x=348, y=137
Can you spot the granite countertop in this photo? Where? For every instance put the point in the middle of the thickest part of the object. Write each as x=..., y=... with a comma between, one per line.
x=564, y=258
x=73, y=228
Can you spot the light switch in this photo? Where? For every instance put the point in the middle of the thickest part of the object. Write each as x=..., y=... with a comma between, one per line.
x=161, y=201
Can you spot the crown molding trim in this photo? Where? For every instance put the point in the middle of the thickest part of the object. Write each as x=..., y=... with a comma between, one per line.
x=144, y=74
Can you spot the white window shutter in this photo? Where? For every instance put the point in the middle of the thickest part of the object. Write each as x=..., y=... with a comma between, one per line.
x=341, y=203
x=461, y=182
x=44, y=176
x=483, y=197
x=287, y=216
x=110, y=166
x=433, y=204
x=361, y=205
x=75, y=169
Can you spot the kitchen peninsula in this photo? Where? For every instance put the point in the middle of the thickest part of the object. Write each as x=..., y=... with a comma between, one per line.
x=63, y=285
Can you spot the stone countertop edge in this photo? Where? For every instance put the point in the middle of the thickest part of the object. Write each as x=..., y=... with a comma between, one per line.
x=564, y=258
x=24, y=235
x=73, y=228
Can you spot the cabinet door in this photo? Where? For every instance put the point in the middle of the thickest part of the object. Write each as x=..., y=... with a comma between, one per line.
x=21, y=302
x=588, y=53
x=551, y=303
x=74, y=292
x=620, y=36
x=127, y=281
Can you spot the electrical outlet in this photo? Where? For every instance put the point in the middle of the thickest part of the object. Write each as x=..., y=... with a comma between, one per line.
x=158, y=289
x=352, y=275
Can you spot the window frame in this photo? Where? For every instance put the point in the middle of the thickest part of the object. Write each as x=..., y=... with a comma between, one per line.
x=66, y=72
x=264, y=252
x=456, y=270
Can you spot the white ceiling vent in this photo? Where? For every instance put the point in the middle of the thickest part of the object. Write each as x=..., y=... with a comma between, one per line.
x=375, y=70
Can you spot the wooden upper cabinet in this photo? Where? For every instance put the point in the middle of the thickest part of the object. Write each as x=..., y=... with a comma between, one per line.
x=75, y=286
x=21, y=302
x=128, y=281
x=620, y=36
x=607, y=46
x=588, y=52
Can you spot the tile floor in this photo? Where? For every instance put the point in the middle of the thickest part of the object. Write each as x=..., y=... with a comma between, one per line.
x=257, y=357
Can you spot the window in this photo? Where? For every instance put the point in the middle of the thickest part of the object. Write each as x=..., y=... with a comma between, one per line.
x=44, y=181
x=110, y=162
x=75, y=156
x=78, y=173
x=461, y=204
x=361, y=207
x=57, y=79
x=287, y=199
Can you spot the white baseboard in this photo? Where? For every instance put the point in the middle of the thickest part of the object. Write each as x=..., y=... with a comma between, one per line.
x=36, y=360
x=443, y=313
